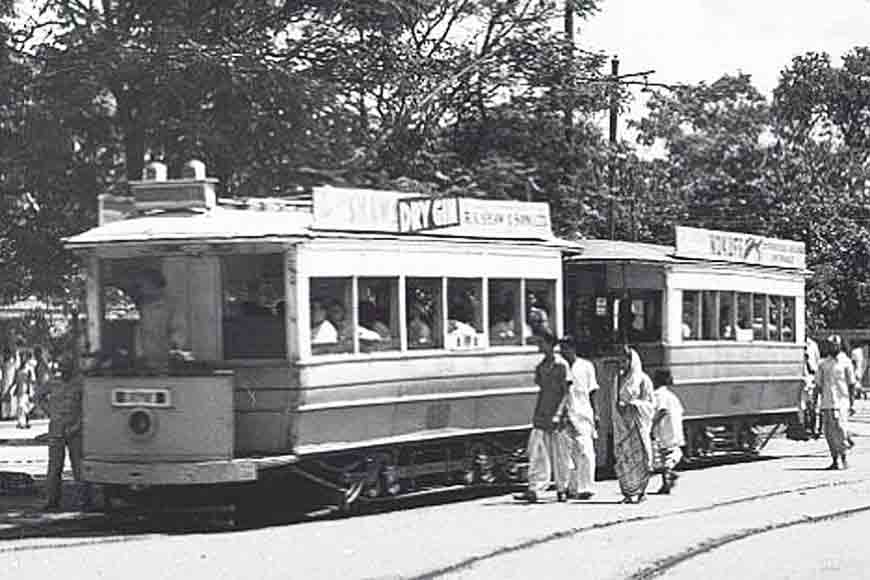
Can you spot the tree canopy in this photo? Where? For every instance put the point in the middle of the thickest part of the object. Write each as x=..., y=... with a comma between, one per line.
x=478, y=97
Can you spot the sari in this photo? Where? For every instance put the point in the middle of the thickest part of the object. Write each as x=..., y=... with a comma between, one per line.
x=633, y=410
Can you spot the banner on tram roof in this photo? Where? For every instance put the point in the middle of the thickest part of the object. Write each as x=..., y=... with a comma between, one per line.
x=389, y=211
x=738, y=247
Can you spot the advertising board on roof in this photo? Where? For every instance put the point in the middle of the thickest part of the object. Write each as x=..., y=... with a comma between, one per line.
x=393, y=212
x=738, y=247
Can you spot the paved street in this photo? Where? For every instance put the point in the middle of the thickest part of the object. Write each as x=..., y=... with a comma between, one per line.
x=780, y=517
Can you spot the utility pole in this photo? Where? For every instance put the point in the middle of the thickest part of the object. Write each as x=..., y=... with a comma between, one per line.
x=569, y=48
x=614, y=119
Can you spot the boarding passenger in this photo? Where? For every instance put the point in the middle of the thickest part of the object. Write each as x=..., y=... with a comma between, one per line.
x=667, y=432
x=578, y=430
x=551, y=375
x=833, y=380
x=322, y=330
x=632, y=425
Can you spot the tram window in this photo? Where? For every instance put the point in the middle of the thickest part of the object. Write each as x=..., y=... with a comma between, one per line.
x=590, y=320
x=643, y=320
x=691, y=314
x=788, y=319
x=504, y=312
x=709, y=315
x=330, y=315
x=423, y=304
x=378, y=314
x=759, y=310
x=253, y=324
x=774, y=321
x=540, y=298
x=122, y=313
x=727, y=316
x=744, y=317
x=464, y=312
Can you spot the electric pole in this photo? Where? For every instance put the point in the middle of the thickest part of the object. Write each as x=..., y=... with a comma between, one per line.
x=614, y=119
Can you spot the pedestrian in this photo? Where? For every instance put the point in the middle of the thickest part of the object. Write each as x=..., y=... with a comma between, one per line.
x=25, y=379
x=667, y=432
x=833, y=380
x=65, y=430
x=579, y=428
x=812, y=358
x=633, y=409
x=551, y=376
x=7, y=382
x=43, y=373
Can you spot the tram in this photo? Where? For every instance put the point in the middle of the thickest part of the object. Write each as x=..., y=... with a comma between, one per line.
x=377, y=343
x=723, y=311
x=371, y=342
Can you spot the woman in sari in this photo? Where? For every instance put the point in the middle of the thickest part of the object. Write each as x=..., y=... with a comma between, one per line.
x=633, y=410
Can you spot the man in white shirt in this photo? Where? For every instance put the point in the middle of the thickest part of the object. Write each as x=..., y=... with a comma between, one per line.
x=834, y=379
x=579, y=423
x=667, y=430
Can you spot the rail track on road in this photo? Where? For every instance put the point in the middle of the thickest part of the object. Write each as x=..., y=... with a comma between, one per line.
x=661, y=565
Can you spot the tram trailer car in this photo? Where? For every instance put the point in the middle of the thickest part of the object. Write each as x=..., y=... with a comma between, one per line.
x=369, y=342
x=723, y=311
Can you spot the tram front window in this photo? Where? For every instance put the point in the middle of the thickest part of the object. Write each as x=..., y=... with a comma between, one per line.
x=142, y=316
x=254, y=306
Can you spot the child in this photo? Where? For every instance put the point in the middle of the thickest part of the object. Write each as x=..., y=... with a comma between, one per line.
x=667, y=430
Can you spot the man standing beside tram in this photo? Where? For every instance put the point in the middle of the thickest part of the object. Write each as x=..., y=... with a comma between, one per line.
x=580, y=423
x=834, y=379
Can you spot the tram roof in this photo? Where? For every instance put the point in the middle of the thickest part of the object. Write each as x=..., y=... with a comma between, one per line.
x=615, y=250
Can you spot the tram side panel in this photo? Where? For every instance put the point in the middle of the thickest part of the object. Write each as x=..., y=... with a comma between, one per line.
x=361, y=403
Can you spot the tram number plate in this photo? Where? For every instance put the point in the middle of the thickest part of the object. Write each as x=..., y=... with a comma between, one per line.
x=437, y=415
x=141, y=398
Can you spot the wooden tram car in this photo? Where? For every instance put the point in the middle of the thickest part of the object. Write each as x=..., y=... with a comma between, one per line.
x=375, y=343
x=372, y=342
x=723, y=311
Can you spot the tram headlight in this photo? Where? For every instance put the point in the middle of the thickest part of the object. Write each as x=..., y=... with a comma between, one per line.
x=141, y=423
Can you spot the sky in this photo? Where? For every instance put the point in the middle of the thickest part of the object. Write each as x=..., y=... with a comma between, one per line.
x=688, y=41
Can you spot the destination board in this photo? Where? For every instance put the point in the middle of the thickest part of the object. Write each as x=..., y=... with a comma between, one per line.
x=739, y=247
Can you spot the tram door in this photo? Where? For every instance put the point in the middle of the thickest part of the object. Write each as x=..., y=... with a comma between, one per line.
x=601, y=322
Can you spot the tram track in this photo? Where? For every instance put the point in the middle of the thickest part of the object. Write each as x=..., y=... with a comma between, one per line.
x=661, y=565
x=92, y=533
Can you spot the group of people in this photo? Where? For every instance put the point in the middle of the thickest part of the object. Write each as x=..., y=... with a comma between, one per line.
x=832, y=381
x=24, y=377
x=647, y=425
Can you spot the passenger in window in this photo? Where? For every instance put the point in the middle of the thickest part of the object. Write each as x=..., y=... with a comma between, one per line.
x=419, y=331
x=459, y=330
x=538, y=317
x=322, y=330
x=371, y=326
x=336, y=314
x=504, y=327
x=687, y=325
x=726, y=330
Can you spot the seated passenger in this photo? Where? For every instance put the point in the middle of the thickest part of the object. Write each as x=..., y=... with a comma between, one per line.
x=322, y=330
x=504, y=328
x=419, y=332
x=537, y=316
x=370, y=327
x=335, y=313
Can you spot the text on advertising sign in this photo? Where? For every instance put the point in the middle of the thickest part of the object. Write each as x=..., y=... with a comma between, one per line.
x=385, y=211
x=739, y=247
x=427, y=213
